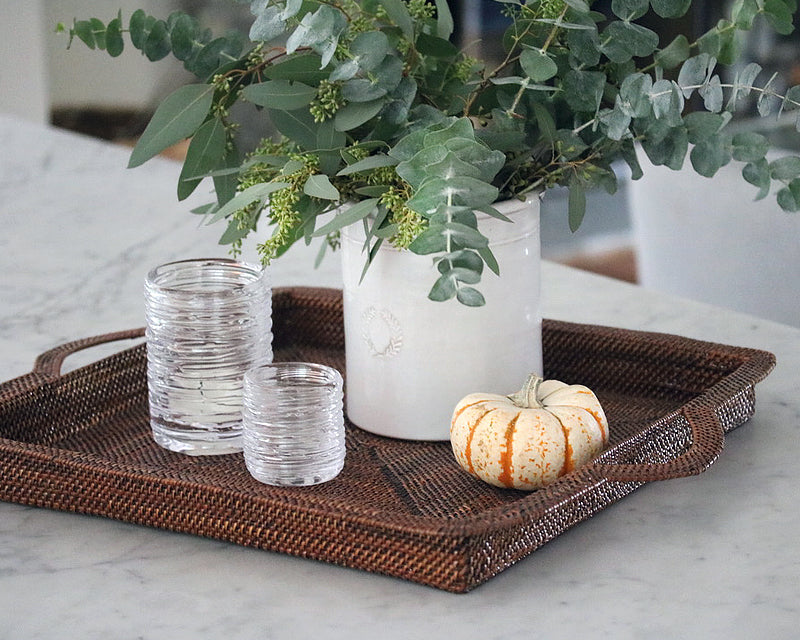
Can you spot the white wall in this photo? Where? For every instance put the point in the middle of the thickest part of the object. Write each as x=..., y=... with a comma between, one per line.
x=23, y=67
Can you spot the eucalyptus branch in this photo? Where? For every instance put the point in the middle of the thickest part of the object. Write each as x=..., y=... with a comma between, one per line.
x=363, y=96
x=555, y=29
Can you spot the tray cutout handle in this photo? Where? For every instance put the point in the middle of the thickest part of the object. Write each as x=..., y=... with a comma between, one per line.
x=708, y=439
x=48, y=364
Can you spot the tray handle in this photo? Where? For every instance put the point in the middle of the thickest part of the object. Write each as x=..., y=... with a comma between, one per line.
x=708, y=438
x=48, y=364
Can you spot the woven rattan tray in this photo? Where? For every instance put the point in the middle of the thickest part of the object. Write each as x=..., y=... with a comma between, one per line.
x=81, y=442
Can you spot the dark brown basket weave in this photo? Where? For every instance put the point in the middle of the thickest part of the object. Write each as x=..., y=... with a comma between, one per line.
x=81, y=442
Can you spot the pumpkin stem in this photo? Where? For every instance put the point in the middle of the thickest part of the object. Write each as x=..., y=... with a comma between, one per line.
x=527, y=396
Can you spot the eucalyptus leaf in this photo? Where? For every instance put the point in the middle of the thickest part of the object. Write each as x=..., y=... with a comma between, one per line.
x=443, y=289
x=731, y=47
x=83, y=29
x=789, y=200
x=432, y=240
x=622, y=41
x=465, y=236
x=744, y=12
x=206, y=151
x=674, y=53
x=368, y=163
x=712, y=95
x=356, y=113
x=767, y=99
x=702, y=125
x=225, y=184
x=489, y=259
x=667, y=101
x=779, y=16
x=616, y=120
x=584, y=89
x=182, y=36
x=234, y=232
x=758, y=174
x=416, y=170
x=576, y=204
x=268, y=25
x=208, y=58
x=157, y=44
x=538, y=65
x=177, y=117
x=329, y=142
x=99, y=32
x=303, y=67
x=114, y=42
x=581, y=6
x=362, y=90
x=319, y=186
x=460, y=190
x=584, y=45
x=373, y=191
x=461, y=274
x=444, y=20
x=470, y=297
x=398, y=12
x=464, y=259
x=458, y=128
x=749, y=146
x=280, y=94
x=785, y=169
x=297, y=125
x=630, y=9
x=369, y=49
x=743, y=83
x=666, y=145
x=694, y=72
x=789, y=197
x=138, y=26
x=671, y=8
x=710, y=43
x=628, y=152
x=709, y=156
x=494, y=213
x=634, y=95
x=347, y=216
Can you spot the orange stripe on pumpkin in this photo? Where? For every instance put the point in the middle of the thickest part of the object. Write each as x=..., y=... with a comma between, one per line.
x=468, y=447
x=506, y=463
x=569, y=460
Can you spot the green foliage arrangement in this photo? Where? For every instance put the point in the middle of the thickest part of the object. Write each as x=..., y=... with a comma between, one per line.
x=375, y=106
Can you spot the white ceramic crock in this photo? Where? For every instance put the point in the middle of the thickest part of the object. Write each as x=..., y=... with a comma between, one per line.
x=409, y=359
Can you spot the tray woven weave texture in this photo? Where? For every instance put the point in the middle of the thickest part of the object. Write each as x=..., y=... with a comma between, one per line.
x=81, y=442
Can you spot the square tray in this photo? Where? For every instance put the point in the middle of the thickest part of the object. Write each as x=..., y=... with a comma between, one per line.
x=81, y=442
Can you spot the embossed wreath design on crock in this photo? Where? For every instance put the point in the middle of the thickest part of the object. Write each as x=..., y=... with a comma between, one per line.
x=376, y=322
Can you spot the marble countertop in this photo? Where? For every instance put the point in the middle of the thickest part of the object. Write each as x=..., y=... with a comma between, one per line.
x=713, y=556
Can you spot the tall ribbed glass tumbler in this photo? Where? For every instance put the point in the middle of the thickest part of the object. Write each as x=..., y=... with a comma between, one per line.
x=208, y=322
x=293, y=423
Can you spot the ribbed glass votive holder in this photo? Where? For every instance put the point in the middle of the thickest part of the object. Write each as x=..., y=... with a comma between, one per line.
x=208, y=322
x=293, y=423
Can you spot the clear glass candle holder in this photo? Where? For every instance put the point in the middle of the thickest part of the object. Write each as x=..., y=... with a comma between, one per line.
x=293, y=423
x=208, y=322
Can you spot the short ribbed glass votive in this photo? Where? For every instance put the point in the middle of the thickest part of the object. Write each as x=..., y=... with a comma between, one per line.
x=208, y=322
x=293, y=423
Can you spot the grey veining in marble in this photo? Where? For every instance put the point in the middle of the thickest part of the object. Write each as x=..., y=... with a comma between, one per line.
x=714, y=556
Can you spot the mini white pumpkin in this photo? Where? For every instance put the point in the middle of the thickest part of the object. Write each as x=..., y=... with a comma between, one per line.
x=529, y=439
